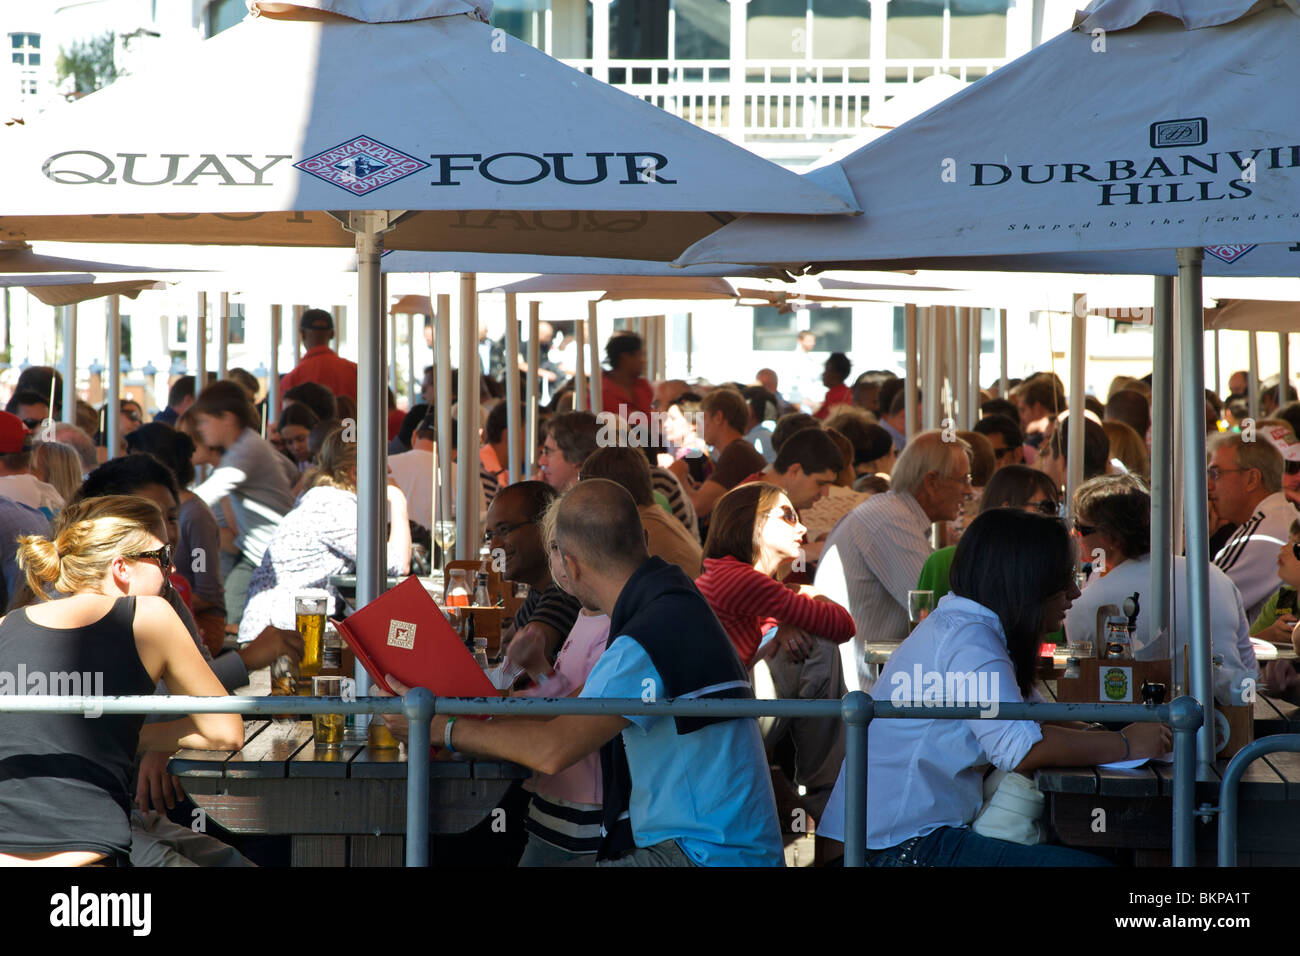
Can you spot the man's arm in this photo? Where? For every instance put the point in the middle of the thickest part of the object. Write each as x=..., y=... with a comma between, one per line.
x=547, y=746
x=223, y=480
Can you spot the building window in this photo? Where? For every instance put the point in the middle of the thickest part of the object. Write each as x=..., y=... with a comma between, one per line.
x=977, y=29
x=525, y=19
x=235, y=324
x=841, y=29
x=914, y=30
x=638, y=30
x=775, y=29
x=833, y=328
x=26, y=48
x=703, y=29
x=774, y=331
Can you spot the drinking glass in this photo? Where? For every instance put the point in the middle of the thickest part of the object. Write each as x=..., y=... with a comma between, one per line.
x=328, y=728
x=444, y=536
x=919, y=605
x=309, y=609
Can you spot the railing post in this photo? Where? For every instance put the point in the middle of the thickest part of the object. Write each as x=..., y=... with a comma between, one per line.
x=418, y=706
x=1228, y=792
x=736, y=71
x=856, y=710
x=1185, y=718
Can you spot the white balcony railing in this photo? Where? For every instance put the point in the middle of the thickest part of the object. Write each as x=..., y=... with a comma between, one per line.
x=783, y=99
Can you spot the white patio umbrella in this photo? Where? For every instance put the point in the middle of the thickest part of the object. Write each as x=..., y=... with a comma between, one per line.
x=410, y=120
x=1070, y=159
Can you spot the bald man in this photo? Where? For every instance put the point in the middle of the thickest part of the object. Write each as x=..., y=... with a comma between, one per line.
x=704, y=796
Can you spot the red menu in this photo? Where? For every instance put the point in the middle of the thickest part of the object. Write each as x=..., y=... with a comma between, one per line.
x=403, y=633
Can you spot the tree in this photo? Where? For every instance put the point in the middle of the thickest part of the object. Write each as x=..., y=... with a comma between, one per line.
x=89, y=63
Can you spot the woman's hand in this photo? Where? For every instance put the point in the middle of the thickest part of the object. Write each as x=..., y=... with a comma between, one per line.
x=397, y=724
x=528, y=650
x=273, y=642
x=1152, y=741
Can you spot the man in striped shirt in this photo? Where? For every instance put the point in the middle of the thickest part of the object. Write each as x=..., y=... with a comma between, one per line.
x=874, y=555
x=1244, y=481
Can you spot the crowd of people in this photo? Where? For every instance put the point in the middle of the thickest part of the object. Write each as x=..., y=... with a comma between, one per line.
x=752, y=546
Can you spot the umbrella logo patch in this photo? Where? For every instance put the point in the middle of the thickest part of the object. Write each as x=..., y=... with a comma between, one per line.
x=361, y=165
x=1179, y=132
x=1229, y=252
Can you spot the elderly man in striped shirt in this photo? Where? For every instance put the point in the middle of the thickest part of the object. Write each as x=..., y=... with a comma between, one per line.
x=874, y=555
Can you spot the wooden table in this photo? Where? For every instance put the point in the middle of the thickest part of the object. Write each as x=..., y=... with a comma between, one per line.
x=340, y=807
x=1138, y=804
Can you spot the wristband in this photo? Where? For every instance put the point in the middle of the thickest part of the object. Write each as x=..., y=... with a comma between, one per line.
x=446, y=735
x=1128, y=748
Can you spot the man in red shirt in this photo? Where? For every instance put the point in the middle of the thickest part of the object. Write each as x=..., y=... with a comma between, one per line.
x=320, y=363
x=834, y=375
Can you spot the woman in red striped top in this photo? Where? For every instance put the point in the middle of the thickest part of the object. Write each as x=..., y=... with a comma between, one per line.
x=754, y=537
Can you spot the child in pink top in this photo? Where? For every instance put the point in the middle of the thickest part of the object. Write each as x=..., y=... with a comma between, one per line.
x=565, y=813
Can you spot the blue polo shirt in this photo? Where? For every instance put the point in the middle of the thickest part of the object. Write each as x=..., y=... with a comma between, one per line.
x=710, y=790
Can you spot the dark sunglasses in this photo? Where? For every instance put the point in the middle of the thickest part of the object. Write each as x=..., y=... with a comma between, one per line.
x=1295, y=549
x=163, y=556
x=788, y=515
x=999, y=453
x=1083, y=529
x=1291, y=467
x=32, y=423
x=1049, y=508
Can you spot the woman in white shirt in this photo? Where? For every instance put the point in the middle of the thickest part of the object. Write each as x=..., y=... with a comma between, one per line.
x=1012, y=582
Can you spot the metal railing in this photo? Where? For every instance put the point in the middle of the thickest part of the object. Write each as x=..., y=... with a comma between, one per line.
x=856, y=709
x=1278, y=743
x=781, y=97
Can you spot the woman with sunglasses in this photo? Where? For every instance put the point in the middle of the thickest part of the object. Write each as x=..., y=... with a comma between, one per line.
x=1277, y=619
x=1113, y=522
x=786, y=635
x=70, y=803
x=1012, y=583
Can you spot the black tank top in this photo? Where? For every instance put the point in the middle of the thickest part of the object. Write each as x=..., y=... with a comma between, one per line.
x=65, y=779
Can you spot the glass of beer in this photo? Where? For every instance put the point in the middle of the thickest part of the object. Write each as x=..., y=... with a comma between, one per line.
x=310, y=608
x=328, y=728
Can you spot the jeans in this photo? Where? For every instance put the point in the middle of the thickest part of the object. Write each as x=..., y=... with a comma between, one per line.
x=961, y=846
x=538, y=852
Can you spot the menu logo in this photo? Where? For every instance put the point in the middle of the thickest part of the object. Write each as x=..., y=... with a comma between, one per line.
x=361, y=165
x=1167, y=134
x=401, y=634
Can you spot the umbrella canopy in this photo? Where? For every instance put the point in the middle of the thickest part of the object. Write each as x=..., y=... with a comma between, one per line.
x=614, y=287
x=17, y=256
x=1108, y=174
x=492, y=144
x=1254, y=315
x=72, y=292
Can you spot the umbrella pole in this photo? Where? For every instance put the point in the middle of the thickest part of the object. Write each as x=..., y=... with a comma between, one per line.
x=1218, y=384
x=1162, y=470
x=932, y=383
x=1004, y=385
x=69, y=364
x=201, y=344
x=973, y=320
x=442, y=386
x=534, y=381
x=1284, y=367
x=961, y=374
x=512, y=388
x=593, y=342
x=580, y=367
x=372, y=406
x=411, y=380
x=953, y=348
x=1078, y=356
x=1253, y=352
x=223, y=333
x=467, y=495
x=690, y=345
x=273, y=375
x=911, y=425
x=112, y=418
x=1198, y=537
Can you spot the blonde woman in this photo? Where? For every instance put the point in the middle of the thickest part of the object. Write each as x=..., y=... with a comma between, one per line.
x=113, y=635
x=59, y=465
x=1127, y=447
x=318, y=539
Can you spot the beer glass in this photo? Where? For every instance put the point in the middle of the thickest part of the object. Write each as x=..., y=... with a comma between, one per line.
x=919, y=605
x=309, y=609
x=327, y=728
